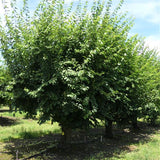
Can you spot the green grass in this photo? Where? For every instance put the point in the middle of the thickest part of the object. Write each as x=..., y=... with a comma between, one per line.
x=139, y=151
x=13, y=114
x=13, y=127
x=20, y=128
x=27, y=129
x=147, y=151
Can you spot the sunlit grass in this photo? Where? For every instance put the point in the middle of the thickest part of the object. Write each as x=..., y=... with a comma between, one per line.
x=4, y=156
x=24, y=128
x=27, y=129
x=147, y=151
x=13, y=114
x=142, y=151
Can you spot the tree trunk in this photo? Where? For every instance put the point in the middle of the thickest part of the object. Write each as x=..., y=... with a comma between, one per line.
x=66, y=135
x=10, y=108
x=108, y=129
x=135, y=124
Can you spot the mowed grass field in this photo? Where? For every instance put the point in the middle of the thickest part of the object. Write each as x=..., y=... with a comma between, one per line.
x=24, y=138
x=14, y=126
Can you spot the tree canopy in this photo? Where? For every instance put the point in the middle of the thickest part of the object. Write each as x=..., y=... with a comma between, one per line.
x=77, y=66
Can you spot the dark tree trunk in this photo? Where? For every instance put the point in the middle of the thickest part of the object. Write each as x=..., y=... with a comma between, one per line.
x=66, y=135
x=10, y=108
x=135, y=124
x=153, y=122
x=108, y=129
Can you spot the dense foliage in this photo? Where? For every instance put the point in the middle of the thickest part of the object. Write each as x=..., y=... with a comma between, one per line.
x=75, y=66
x=6, y=85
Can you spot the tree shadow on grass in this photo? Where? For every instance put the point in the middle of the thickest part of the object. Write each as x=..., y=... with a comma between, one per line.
x=7, y=121
x=48, y=148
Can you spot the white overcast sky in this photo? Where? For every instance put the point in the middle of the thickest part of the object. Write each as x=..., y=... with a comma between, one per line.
x=145, y=12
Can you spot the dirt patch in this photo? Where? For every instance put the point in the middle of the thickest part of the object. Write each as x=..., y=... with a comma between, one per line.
x=132, y=147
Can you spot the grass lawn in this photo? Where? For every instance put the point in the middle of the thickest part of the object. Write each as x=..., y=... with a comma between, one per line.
x=146, y=151
x=13, y=126
x=142, y=150
x=21, y=138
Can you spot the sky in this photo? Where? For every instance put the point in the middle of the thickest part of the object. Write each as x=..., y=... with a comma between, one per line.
x=145, y=12
x=147, y=20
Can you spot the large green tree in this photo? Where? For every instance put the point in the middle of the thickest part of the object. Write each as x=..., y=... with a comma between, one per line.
x=73, y=65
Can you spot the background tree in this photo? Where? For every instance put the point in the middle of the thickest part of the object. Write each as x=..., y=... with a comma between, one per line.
x=5, y=87
x=150, y=73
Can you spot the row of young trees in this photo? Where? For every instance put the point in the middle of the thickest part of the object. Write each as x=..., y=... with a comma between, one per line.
x=77, y=66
